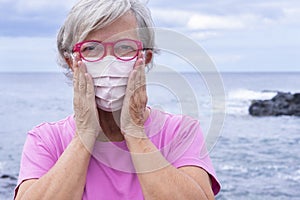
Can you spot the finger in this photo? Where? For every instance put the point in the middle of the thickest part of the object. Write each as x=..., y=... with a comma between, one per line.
x=75, y=58
x=76, y=80
x=76, y=97
x=131, y=82
x=82, y=80
x=90, y=92
x=143, y=80
x=138, y=60
x=82, y=67
x=129, y=93
x=140, y=98
x=140, y=69
x=143, y=74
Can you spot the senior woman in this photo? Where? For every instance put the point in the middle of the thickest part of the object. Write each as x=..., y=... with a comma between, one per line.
x=114, y=146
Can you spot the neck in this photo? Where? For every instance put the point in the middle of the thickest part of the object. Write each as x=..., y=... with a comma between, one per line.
x=110, y=124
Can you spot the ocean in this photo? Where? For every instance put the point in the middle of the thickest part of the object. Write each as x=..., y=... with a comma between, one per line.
x=254, y=157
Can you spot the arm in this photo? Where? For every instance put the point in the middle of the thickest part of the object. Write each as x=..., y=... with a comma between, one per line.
x=158, y=178
x=66, y=179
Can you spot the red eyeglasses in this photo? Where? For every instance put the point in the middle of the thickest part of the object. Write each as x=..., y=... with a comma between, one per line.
x=93, y=50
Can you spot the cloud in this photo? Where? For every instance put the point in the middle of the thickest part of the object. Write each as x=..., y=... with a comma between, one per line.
x=32, y=17
x=198, y=21
x=292, y=15
x=204, y=35
x=40, y=6
x=33, y=8
x=232, y=31
x=170, y=17
x=227, y=58
x=226, y=14
x=202, y=21
x=194, y=20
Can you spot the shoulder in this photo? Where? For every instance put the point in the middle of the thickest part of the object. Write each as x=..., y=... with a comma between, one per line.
x=159, y=121
x=172, y=130
x=157, y=115
x=56, y=134
x=60, y=126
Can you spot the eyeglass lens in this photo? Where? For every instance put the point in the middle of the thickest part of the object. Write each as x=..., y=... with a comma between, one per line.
x=124, y=49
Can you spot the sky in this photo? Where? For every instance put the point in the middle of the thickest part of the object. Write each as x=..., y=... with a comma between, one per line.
x=238, y=35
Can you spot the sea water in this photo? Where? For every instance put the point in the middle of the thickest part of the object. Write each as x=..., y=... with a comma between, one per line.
x=254, y=157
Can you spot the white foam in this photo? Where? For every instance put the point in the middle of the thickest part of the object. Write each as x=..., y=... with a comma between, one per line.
x=289, y=177
x=1, y=166
x=244, y=94
x=238, y=101
x=234, y=168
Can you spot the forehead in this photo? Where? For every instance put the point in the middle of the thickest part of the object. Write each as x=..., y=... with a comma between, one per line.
x=124, y=27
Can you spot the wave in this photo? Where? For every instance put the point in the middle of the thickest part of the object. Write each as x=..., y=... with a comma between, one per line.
x=244, y=94
x=238, y=101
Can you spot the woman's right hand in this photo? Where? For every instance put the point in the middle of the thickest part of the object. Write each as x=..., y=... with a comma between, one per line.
x=86, y=113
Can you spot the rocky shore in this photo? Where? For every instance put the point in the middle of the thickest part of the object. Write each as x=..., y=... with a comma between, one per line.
x=284, y=103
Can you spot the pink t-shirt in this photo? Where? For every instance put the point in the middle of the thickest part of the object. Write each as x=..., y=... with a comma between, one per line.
x=111, y=174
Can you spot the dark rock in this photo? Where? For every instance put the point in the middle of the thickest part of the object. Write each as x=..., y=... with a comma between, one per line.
x=281, y=104
x=6, y=176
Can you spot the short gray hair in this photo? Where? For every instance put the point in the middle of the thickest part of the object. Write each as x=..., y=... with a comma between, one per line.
x=90, y=15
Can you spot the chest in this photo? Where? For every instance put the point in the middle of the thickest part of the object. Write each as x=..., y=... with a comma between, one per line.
x=106, y=183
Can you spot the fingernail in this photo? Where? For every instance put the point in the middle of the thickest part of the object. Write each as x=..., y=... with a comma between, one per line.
x=76, y=56
x=139, y=55
x=139, y=62
x=73, y=55
x=80, y=63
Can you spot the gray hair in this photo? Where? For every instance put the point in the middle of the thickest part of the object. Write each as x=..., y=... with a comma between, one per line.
x=90, y=15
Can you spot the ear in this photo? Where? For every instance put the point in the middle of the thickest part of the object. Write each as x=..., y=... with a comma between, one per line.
x=148, y=56
x=68, y=60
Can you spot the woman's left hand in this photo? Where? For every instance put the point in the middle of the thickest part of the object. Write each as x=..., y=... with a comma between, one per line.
x=134, y=106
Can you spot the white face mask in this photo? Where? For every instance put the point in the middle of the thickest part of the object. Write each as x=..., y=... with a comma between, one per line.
x=110, y=77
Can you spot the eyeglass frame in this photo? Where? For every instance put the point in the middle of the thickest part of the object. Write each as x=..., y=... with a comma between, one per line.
x=77, y=48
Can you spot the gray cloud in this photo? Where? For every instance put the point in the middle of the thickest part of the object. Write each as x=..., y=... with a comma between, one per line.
x=236, y=33
x=18, y=18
